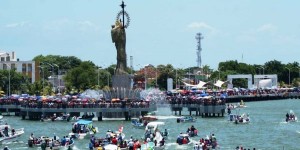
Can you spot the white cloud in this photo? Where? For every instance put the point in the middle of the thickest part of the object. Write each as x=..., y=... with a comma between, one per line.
x=87, y=25
x=16, y=25
x=57, y=25
x=200, y=25
x=66, y=24
x=267, y=28
x=210, y=30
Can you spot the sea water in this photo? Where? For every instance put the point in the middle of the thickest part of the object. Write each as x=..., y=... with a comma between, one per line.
x=267, y=129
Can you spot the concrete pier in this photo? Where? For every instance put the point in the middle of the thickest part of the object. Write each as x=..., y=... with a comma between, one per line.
x=35, y=113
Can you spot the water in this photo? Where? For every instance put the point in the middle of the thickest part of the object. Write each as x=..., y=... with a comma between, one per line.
x=266, y=131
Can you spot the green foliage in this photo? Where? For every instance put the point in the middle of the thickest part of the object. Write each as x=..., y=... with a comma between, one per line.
x=165, y=72
x=18, y=82
x=82, y=77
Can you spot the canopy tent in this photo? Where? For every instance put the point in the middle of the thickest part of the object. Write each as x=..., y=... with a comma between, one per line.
x=265, y=83
x=199, y=85
x=219, y=83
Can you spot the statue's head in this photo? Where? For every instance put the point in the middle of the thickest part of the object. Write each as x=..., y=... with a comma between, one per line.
x=118, y=24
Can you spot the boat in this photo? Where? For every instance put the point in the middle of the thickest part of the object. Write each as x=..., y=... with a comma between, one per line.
x=210, y=142
x=291, y=117
x=110, y=133
x=151, y=145
x=186, y=119
x=82, y=128
x=239, y=119
x=149, y=118
x=137, y=124
x=241, y=104
x=51, y=143
x=1, y=117
x=87, y=117
x=183, y=139
x=152, y=127
x=7, y=133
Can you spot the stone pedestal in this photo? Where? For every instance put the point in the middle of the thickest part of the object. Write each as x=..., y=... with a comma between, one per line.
x=122, y=81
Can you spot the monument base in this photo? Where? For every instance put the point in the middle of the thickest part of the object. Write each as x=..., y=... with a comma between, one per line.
x=122, y=81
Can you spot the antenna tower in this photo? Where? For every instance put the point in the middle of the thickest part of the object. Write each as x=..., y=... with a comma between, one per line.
x=199, y=37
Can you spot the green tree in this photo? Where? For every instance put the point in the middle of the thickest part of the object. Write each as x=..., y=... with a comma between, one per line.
x=82, y=77
x=165, y=73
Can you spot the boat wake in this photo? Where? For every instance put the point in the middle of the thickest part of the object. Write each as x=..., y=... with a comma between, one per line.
x=166, y=117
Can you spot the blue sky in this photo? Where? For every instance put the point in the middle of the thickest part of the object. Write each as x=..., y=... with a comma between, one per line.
x=160, y=31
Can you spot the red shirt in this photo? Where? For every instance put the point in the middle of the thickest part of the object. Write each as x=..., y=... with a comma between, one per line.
x=114, y=141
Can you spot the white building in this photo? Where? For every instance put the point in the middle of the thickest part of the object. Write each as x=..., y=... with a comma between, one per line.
x=8, y=60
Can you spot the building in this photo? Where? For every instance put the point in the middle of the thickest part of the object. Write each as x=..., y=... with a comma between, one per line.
x=10, y=61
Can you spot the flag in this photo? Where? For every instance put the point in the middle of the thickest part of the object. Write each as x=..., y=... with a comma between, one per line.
x=121, y=129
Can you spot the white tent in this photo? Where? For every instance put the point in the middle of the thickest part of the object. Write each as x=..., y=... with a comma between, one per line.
x=219, y=83
x=199, y=85
x=265, y=83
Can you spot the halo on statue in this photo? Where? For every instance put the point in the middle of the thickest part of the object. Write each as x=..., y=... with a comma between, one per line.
x=127, y=22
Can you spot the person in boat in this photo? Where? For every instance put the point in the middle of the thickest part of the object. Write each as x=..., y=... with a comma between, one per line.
x=228, y=111
x=31, y=137
x=148, y=133
x=184, y=141
x=213, y=141
x=130, y=144
x=188, y=130
x=196, y=147
x=287, y=116
x=6, y=131
x=114, y=141
x=92, y=140
x=63, y=141
x=162, y=142
x=166, y=133
x=193, y=129
x=13, y=131
x=120, y=139
x=91, y=146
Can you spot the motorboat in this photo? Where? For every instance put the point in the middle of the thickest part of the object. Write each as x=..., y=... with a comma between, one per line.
x=87, y=117
x=239, y=119
x=8, y=134
x=152, y=127
x=110, y=133
x=183, y=139
x=241, y=104
x=137, y=124
x=149, y=118
x=51, y=143
x=82, y=128
x=291, y=117
x=186, y=119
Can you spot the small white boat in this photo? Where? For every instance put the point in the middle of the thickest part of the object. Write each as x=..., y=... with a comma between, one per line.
x=241, y=104
x=291, y=117
x=186, y=119
x=149, y=118
x=9, y=135
x=1, y=117
x=181, y=137
x=239, y=119
x=82, y=128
